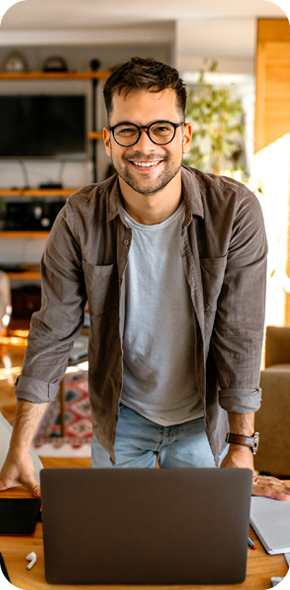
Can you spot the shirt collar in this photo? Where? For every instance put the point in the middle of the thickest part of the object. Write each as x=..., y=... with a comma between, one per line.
x=191, y=195
x=115, y=206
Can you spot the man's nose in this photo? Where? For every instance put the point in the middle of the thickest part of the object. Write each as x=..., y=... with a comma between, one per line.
x=144, y=142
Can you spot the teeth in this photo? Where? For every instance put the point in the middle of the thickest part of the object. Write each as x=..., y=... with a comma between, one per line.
x=145, y=164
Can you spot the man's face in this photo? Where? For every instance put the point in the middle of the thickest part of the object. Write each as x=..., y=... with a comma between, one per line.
x=143, y=108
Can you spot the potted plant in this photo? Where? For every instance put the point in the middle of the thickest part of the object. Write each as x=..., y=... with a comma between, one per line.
x=217, y=128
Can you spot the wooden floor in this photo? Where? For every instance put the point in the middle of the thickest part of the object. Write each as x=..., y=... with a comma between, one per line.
x=12, y=349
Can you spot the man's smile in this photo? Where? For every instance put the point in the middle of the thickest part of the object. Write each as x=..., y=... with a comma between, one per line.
x=145, y=164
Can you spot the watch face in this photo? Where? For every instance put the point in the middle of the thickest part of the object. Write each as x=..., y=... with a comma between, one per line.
x=255, y=442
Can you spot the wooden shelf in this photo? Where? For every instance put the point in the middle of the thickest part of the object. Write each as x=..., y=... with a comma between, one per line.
x=27, y=271
x=95, y=135
x=24, y=234
x=37, y=192
x=24, y=276
x=54, y=75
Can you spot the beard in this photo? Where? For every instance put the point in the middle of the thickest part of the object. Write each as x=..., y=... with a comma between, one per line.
x=146, y=185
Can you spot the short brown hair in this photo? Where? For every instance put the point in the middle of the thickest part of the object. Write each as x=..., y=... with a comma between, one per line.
x=144, y=74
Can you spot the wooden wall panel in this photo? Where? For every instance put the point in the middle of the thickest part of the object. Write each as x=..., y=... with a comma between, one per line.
x=272, y=91
x=273, y=105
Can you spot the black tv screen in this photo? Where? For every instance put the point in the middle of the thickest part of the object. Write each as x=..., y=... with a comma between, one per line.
x=43, y=126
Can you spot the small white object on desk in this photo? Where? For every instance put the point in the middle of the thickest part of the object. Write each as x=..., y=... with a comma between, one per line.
x=32, y=557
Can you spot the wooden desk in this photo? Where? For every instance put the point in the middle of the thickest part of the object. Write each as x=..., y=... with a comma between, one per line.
x=14, y=550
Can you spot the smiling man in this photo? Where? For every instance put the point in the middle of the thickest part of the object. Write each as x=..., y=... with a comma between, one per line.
x=172, y=263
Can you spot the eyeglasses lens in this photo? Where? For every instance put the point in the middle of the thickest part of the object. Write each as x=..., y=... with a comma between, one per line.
x=160, y=133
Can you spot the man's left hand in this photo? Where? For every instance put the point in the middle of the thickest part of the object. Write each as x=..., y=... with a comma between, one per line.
x=270, y=487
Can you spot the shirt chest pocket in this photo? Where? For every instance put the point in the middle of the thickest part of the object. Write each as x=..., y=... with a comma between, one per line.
x=212, y=273
x=102, y=287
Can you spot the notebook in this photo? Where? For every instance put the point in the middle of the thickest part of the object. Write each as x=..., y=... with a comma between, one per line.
x=270, y=520
x=145, y=526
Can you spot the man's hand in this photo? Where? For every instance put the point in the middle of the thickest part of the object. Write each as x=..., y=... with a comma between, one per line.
x=242, y=456
x=239, y=456
x=19, y=471
x=271, y=487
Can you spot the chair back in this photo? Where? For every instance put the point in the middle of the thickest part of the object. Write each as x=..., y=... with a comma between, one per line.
x=277, y=347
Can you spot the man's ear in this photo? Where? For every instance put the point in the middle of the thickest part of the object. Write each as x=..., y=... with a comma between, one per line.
x=187, y=133
x=107, y=140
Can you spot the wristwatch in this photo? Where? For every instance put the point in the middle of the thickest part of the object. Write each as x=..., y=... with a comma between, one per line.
x=247, y=441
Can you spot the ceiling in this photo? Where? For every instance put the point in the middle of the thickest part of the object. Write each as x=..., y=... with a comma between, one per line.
x=62, y=14
x=225, y=29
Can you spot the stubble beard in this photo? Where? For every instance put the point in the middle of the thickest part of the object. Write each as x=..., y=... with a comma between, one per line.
x=143, y=187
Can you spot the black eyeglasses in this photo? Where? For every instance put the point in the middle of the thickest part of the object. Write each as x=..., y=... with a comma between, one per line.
x=160, y=132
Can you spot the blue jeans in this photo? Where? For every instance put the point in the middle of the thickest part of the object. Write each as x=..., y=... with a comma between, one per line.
x=139, y=442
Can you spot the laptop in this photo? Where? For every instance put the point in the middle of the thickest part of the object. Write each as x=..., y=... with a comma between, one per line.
x=145, y=526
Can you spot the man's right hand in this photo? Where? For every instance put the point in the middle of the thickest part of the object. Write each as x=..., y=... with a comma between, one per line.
x=18, y=471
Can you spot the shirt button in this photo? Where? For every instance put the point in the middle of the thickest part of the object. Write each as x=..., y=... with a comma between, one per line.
x=126, y=242
x=119, y=385
x=120, y=280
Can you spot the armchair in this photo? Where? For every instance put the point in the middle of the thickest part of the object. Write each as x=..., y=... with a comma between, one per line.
x=273, y=418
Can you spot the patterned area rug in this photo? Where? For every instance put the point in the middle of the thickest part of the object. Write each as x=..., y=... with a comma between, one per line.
x=48, y=442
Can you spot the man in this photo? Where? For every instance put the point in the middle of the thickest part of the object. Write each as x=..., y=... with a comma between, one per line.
x=172, y=263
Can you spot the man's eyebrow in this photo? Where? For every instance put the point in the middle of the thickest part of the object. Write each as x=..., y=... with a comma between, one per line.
x=131, y=123
x=124, y=123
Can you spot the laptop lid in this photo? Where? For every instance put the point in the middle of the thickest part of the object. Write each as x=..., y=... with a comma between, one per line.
x=145, y=526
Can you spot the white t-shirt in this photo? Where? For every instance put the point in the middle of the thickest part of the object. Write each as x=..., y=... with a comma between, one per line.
x=159, y=332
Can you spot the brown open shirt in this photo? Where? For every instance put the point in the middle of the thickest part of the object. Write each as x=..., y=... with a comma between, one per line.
x=223, y=248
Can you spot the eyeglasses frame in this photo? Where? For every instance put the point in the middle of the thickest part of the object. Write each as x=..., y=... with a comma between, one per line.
x=147, y=127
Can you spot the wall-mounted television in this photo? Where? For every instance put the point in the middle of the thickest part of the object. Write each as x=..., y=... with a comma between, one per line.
x=43, y=126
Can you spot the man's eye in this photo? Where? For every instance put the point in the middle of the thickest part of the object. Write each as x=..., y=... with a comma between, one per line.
x=126, y=130
x=162, y=129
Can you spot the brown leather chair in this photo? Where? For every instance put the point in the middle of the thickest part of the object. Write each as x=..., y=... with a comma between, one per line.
x=273, y=418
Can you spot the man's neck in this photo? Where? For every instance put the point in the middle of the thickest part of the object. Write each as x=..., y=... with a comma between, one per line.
x=152, y=209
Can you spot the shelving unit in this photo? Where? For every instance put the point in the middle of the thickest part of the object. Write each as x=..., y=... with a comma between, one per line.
x=94, y=76
x=11, y=234
x=93, y=135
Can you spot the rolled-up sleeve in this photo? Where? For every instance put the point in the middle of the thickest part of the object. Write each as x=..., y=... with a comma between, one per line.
x=239, y=323
x=34, y=390
x=240, y=401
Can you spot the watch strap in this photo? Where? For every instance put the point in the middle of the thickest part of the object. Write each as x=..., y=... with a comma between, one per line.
x=247, y=441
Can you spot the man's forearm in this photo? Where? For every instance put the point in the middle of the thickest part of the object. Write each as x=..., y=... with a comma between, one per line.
x=243, y=424
x=238, y=455
x=27, y=418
